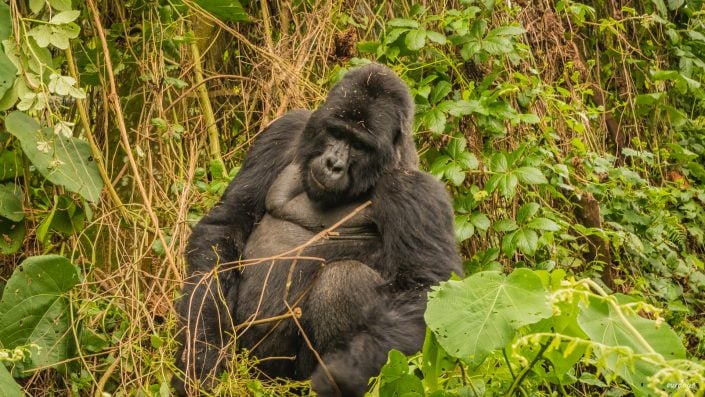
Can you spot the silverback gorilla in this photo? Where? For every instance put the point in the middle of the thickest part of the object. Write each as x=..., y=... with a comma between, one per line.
x=330, y=305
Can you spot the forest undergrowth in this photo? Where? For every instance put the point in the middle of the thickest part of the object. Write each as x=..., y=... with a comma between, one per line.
x=571, y=136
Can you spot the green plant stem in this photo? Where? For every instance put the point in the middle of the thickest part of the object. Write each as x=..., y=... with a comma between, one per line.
x=525, y=371
x=612, y=301
x=206, y=107
x=95, y=150
x=509, y=365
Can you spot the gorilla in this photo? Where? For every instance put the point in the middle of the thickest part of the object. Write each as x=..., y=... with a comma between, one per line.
x=319, y=255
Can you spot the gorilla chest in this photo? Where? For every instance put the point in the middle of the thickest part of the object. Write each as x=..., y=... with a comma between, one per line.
x=287, y=249
x=293, y=224
x=275, y=237
x=296, y=231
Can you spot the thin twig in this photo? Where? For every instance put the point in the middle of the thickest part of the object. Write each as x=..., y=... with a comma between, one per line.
x=115, y=100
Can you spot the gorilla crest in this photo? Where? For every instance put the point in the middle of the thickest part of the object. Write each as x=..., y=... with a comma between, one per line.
x=349, y=168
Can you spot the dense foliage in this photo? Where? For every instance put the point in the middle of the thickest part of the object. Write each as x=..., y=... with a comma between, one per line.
x=571, y=136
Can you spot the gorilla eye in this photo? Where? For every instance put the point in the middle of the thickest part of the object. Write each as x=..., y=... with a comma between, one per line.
x=335, y=133
x=357, y=145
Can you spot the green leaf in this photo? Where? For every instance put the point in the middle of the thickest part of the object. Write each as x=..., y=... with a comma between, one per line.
x=61, y=5
x=439, y=166
x=475, y=316
x=508, y=245
x=470, y=49
x=56, y=35
x=543, y=224
x=8, y=71
x=392, y=36
x=10, y=203
x=649, y=99
x=507, y=185
x=498, y=163
x=439, y=91
x=435, y=362
x=403, y=23
x=455, y=174
x=480, y=220
x=71, y=30
x=415, y=39
x=603, y=324
x=226, y=10
x=661, y=7
x=464, y=108
x=367, y=47
x=526, y=240
x=8, y=100
x=10, y=164
x=530, y=175
x=464, y=229
x=507, y=31
x=395, y=379
x=63, y=161
x=65, y=17
x=527, y=211
x=5, y=21
x=11, y=235
x=456, y=146
x=697, y=170
x=505, y=225
x=43, y=228
x=9, y=387
x=468, y=161
x=35, y=310
x=528, y=118
x=435, y=120
x=436, y=37
x=36, y=5
x=497, y=45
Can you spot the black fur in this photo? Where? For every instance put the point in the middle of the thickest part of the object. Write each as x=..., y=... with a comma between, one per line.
x=361, y=289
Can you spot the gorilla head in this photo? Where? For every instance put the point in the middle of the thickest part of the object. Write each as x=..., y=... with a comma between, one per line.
x=362, y=130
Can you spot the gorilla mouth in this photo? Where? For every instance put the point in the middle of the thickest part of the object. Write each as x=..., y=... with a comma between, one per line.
x=314, y=179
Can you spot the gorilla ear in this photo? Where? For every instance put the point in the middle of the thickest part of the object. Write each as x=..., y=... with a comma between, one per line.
x=405, y=148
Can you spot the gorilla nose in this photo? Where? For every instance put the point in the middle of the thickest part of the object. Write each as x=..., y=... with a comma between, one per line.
x=335, y=165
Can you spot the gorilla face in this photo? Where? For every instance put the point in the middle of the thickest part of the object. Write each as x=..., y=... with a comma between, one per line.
x=361, y=131
x=341, y=162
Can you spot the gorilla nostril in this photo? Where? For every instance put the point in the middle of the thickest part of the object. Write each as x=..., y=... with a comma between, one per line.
x=334, y=165
x=330, y=162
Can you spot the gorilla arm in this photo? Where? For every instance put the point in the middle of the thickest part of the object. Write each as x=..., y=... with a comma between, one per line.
x=219, y=238
x=415, y=219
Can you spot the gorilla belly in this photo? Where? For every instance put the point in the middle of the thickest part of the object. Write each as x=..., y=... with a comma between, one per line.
x=274, y=280
x=281, y=272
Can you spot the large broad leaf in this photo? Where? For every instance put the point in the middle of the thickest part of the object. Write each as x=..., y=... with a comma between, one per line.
x=63, y=161
x=226, y=10
x=475, y=316
x=8, y=71
x=395, y=379
x=10, y=203
x=5, y=21
x=9, y=387
x=35, y=311
x=12, y=228
x=11, y=235
x=603, y=324
x=10, y=164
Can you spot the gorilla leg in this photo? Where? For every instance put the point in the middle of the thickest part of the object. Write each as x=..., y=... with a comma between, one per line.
x=337, y=304
x=395, y=322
